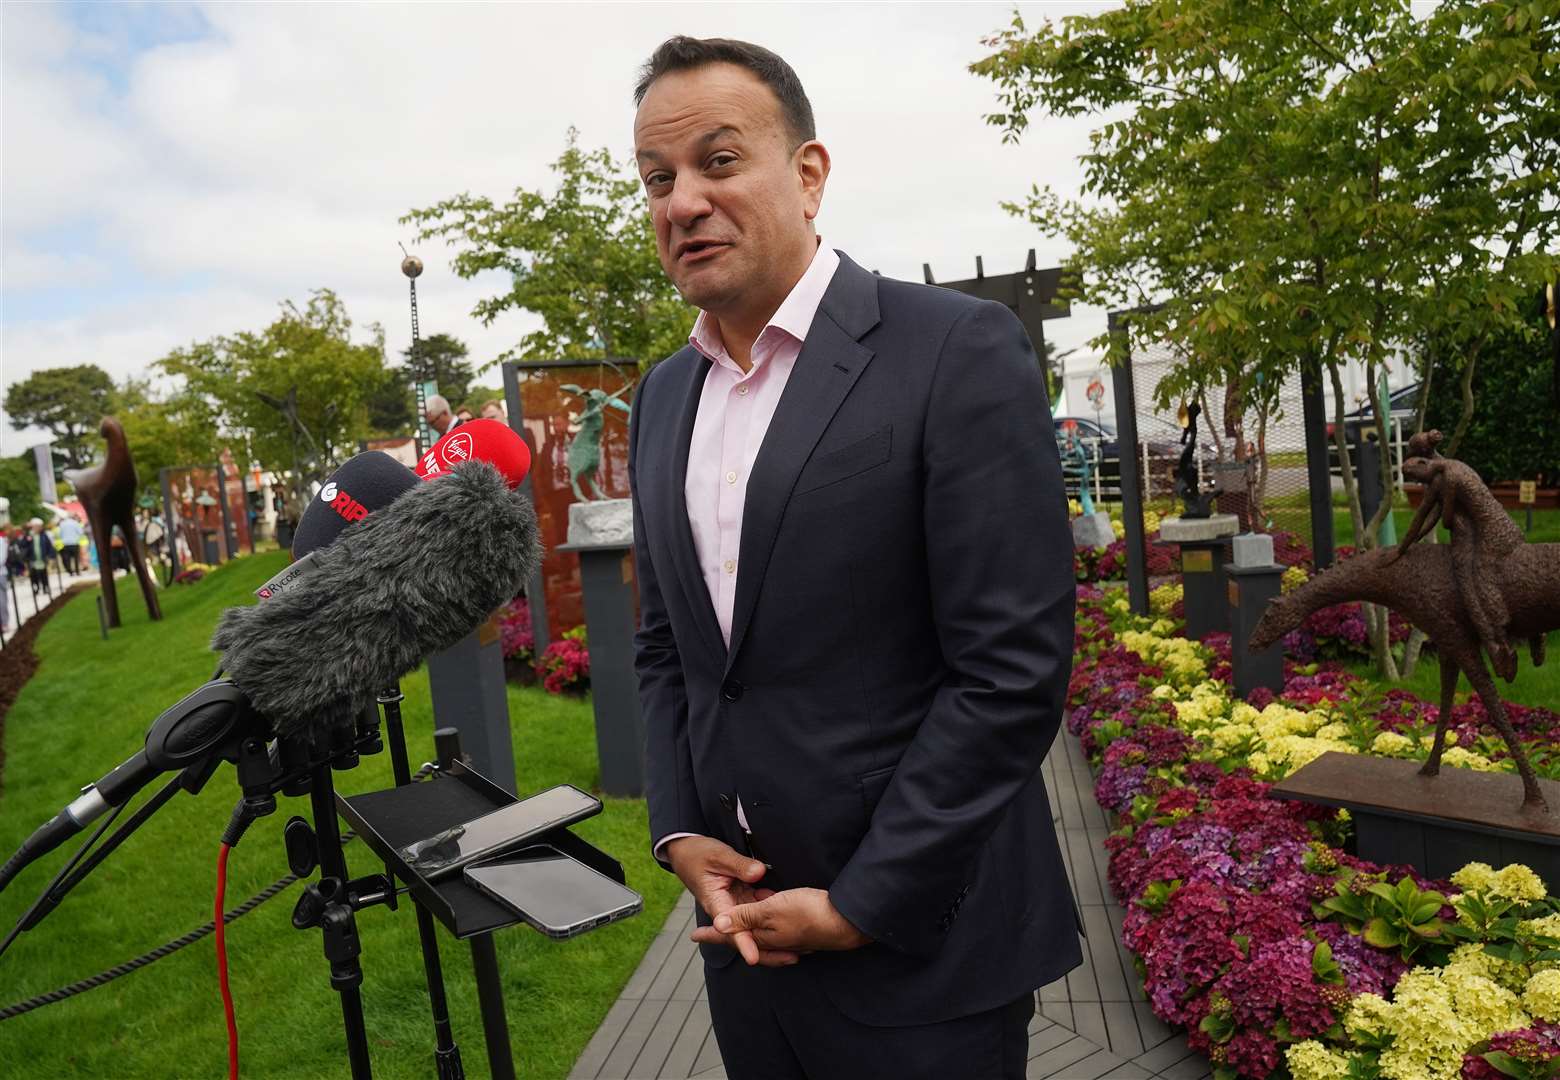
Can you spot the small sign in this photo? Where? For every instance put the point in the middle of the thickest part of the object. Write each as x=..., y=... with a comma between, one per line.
x=1233, y=589
x=1527, y=492
x=1095, y=392
x=487, y=632
x=1197, y=561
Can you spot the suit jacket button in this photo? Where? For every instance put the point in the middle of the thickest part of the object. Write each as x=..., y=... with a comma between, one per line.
x=731, y=690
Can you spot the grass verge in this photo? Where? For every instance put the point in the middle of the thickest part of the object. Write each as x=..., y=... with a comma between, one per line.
x=88, y=707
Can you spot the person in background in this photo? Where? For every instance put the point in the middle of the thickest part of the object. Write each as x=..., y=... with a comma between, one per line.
x=71, y=533
x=493, y=409
x=39, y=550
x=439, y=416
x=5, y=583
x=463, y=414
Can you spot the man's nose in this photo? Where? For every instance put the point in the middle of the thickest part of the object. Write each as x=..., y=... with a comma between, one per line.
x=688, y=202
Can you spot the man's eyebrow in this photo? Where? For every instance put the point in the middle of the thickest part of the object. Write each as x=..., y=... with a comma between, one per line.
x=704, y=140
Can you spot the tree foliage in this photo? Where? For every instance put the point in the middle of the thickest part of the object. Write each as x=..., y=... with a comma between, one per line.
x=441, y=357
x=167, y=430
x=306, y=351
x=1300, y=183
x=19, y=483
x=68, y=402
x=583, y=258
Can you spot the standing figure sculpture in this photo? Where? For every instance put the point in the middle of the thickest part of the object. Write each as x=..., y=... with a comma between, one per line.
x=1075, y=461
x=584, y=455
x=107, y=492
x=1463, y=595
x=1187, y=483
x=1482, y=535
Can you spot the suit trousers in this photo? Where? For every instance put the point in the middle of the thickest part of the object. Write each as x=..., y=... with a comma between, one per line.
x=775, y=1024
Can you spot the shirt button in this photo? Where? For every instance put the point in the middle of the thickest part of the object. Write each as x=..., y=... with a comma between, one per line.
x=742, y=390
x=731, y=478
x=731, y=566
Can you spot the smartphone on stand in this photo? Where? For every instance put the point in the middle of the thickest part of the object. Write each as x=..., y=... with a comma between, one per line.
x=505, y=829
x=558, y=895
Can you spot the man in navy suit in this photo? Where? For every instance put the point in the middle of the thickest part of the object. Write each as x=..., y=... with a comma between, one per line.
x=856, y=594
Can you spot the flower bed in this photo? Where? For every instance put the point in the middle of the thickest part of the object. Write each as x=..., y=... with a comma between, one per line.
x=1280, y=952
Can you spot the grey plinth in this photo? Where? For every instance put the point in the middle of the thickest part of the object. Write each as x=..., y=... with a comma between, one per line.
x=1092, y=530
x=602, y=534
x=470, y=695
x=1204, y=551
x=1178, y=530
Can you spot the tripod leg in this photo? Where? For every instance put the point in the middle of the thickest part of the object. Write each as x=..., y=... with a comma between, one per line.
x=490, y=996
x=340, y=927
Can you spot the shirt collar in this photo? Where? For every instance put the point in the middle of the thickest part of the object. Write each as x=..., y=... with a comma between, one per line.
x=794, y=316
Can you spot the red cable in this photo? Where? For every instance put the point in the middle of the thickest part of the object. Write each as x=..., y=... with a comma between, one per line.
x=222, y=965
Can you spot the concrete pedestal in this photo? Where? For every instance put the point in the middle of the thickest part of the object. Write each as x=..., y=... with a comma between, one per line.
x=1204, y=544
x=469, y=694
x=1092, y=530
x=602, y=535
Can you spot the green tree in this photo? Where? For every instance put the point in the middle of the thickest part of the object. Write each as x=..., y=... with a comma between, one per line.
x=19, y=483
x=165, y=430
x=391, y=405
x=306, y=355
x=1301, y=184
x=441, y=357
x=68, y=402
x=584, y=259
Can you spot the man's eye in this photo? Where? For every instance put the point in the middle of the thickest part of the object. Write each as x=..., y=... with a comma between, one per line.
x=720, y=160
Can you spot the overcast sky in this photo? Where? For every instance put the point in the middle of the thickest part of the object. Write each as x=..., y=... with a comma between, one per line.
x=173, y=172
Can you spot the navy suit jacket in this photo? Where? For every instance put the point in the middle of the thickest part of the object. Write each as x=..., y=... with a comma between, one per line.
x=900, y=646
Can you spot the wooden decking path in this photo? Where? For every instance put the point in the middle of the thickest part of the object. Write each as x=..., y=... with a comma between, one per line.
x=1094, y=1024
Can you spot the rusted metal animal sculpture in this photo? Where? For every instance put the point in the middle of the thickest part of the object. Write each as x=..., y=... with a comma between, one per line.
x=1420, y=583
x=107, y=492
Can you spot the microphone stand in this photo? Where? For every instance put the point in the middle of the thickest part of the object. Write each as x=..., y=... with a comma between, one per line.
x=446, y=1055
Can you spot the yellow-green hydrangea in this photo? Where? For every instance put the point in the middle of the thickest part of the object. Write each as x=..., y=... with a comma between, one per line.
x=1435, y=1015
x=1391, y=744
x=1151, y=522
x=1511, y=882
x=1292, y=579
x=1310, y=1060
x=1165, y=597
x=1118, y=528
x=1541, y=996
x=1458, y=758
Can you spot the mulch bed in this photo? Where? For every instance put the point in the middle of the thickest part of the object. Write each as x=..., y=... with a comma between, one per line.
x=18, y=661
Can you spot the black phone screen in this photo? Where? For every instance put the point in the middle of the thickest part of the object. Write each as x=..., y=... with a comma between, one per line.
x=555, y=893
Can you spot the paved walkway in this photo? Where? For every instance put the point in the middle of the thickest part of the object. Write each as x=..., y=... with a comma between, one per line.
x=23, y=605
x=1093, y=1024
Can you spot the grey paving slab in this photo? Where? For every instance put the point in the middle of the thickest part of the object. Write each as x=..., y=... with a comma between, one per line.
x=1093, y=1023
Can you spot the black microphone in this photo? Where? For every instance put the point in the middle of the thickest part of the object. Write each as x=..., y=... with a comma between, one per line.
x=405, y=581
x=366, y=483
x=212, y=718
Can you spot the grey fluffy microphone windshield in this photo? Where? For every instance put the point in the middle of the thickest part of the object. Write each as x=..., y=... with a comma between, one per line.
x=408, y=580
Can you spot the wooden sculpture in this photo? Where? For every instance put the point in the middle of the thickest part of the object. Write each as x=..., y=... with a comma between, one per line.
x=108, y=494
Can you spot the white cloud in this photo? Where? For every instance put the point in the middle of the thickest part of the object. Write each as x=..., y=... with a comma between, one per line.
x=275, y=154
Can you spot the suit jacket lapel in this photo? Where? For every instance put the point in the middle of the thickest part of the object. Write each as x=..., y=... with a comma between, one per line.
x=684, y=554
x=831, y=360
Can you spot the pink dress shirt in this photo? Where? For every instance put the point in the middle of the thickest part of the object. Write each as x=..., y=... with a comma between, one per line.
x=734, y=413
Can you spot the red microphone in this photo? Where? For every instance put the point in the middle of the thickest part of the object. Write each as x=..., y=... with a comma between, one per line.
x=484, y=440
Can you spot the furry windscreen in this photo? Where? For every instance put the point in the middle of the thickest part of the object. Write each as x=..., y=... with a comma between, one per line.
x=409, y=580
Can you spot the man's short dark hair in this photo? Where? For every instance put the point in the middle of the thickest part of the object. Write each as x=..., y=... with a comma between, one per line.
x=683, y=53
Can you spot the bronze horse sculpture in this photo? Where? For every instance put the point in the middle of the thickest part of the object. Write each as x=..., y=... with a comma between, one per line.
x=1466, y=599
x=108, y=494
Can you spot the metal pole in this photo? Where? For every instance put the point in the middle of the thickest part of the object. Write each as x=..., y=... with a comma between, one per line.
x=333, y=863
x=536, y=585
x=1131, y=481
x=1318, y=471
x=412, y=266
x=229, y=541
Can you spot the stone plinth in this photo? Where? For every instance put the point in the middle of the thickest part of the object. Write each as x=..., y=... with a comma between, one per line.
x=1092, y=530
x=1181, y=530
x=602, y=522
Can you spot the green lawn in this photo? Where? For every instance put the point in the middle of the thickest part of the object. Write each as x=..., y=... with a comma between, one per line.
x=88, y=708
x=1538, y=686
